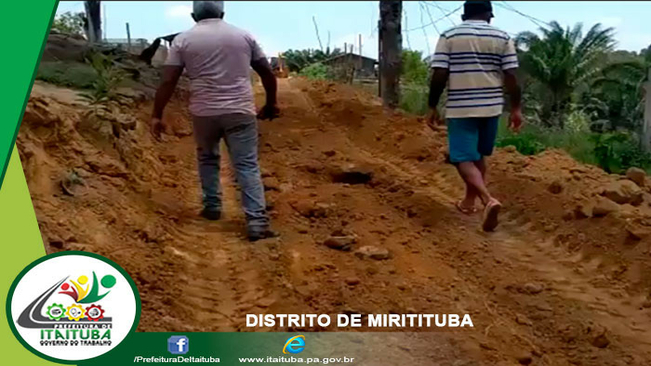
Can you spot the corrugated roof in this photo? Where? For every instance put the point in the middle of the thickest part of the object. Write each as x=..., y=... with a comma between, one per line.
x=348, y=54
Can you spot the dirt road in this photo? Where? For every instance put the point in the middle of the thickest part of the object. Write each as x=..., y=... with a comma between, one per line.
x=549, y=287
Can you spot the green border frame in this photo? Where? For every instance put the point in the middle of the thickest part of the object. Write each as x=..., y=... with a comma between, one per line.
x=22, y=273
x=37, y=62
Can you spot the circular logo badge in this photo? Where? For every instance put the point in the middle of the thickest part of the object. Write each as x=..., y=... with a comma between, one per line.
x=72, y=306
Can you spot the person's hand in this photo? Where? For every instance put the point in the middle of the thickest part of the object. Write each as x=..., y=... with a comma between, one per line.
x=269, y=112
x=156, y=128
x=434, y=119
x=515, y=120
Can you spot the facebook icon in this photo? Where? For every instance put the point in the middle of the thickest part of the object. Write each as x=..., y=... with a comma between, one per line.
x=178, y=345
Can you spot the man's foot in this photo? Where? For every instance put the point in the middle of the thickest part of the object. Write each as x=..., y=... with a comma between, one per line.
x=467, y=210
x=491, y=213
x=255, y=235
x=211, y=214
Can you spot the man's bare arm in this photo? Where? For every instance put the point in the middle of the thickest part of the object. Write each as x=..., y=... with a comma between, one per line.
x=513, y=88
x=515, y=93
x=171, y=76
x=262, y=67
x=437, y=85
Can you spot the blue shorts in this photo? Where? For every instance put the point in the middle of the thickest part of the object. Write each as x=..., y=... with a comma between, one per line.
x=470, y=139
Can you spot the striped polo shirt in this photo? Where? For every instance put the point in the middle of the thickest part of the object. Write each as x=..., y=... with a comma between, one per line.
x=475, y=53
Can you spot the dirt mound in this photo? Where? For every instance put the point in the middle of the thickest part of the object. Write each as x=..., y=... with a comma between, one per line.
x=363, y=199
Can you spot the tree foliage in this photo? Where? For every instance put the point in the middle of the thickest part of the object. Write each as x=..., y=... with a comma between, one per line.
x=414, y=69
x=69, y=23
x=315, y=71
x=616, y=95
x=561, y=60
x=296, y=60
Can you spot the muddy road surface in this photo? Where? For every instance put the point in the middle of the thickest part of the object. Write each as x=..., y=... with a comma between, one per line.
x=564, y=280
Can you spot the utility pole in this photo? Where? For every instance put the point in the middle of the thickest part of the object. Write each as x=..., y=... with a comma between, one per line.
x=360, y=51
x=128, y=37
x=94, y=19
x=646, y=130
x=390, y=51
x=104, y=22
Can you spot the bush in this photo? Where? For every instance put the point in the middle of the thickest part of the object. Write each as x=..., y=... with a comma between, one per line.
x=414, y=99
x=315, y=71
x=527, y=142
x=618, y=151
x=414, y=70
x=103, y=93
x=613, y=152
x=75, y=74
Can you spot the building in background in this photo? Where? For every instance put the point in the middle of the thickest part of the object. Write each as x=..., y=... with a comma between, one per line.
x=364, y=67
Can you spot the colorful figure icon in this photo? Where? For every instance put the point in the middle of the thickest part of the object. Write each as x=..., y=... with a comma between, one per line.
x=84, y=293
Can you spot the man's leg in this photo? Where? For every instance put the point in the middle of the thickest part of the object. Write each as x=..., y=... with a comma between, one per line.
x=486, y=142
x=462, y=141
x=207, y=136
x=468, y=202
x=241, y=133
x=473, y=177
x=485, y=145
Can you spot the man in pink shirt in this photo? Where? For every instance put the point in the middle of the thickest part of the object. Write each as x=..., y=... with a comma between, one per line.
x=217, y=58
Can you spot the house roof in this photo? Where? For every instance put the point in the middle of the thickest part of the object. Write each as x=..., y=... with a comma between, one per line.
x=349, y=54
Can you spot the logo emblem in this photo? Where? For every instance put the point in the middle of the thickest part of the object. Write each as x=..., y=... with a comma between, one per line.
x=294, y=345
x=72, y=306
x=178, y=345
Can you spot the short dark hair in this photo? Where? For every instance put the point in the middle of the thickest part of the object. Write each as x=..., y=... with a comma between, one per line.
x=207, y=9
x=477, y=7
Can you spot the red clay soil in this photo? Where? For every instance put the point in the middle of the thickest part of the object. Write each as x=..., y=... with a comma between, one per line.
x=558, y=283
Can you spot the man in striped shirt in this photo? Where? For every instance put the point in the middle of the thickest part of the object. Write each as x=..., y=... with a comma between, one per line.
x=476, y=61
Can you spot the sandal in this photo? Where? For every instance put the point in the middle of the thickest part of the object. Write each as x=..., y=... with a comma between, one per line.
x=491, y=213
x=465, y=211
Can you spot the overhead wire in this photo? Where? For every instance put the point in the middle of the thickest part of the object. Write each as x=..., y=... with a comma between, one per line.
x=442, y=10
x=429, y=52
x=406, y=26
x=431, y=19
x=533, y=19
x=374, y=24
x=436, y=20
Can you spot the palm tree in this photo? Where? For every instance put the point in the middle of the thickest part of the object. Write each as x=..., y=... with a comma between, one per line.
x=621, y=86
x=561, y=61
x=616, y=95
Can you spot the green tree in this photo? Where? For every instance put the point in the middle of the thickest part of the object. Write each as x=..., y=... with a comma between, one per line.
x=561, y=60
x=646, y=54
x=69, y=23
x=315, y=71
x=617, y=94
x=414, y=69
x=296, y=60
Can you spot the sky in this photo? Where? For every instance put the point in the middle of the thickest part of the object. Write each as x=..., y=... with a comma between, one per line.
x=283, y=25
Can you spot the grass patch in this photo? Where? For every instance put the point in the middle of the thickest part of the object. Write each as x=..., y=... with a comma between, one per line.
x=614, y=152
x=69, y=74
